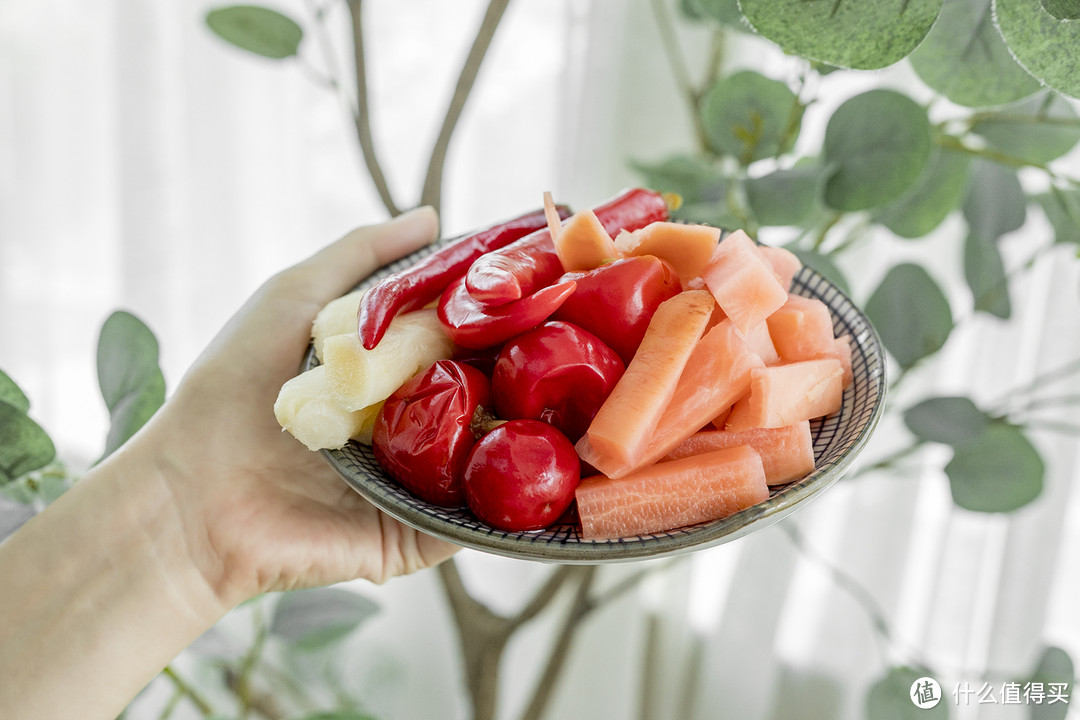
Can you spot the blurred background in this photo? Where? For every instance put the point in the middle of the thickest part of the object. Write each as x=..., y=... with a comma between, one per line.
x=147, y=165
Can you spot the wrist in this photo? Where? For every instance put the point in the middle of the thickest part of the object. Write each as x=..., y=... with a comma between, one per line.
x=100, y=594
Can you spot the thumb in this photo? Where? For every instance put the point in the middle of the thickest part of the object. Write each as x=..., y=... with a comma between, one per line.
x=335, y=269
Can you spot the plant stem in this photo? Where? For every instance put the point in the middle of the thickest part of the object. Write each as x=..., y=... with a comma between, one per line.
x=1059, y=373
x=250, y=661
x=679, y=69
x=889, y=460
x=483, y=636
x=187, y=691
x=362, y=117
x=853, y=587
x=433, y=181
x=579, y=608
x=955, y=144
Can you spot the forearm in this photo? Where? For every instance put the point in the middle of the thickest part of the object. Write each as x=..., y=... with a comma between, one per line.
x=98, y=594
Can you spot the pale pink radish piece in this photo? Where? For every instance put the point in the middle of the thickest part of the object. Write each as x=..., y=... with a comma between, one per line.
x=743, y=284
x=787, y=453
x=784, y=263
x=760, y=341
x=801, y=329
x=786, y=394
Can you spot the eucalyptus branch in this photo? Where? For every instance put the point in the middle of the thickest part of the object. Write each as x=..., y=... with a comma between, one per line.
x=244, y=675
x=362, y=116
x=855, y=590
x=433, y=181
x=483, y=636
x=579, y=608
x=187, y=691
x=830, y=223
x=332, y=76
x=543, y=596
x=950, y=142
x=1061, y=372
x=889, y=460
x=630, y=582
x=691, y=94
x=171, y=705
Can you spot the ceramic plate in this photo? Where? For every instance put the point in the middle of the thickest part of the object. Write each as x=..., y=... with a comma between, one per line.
x=838, y=438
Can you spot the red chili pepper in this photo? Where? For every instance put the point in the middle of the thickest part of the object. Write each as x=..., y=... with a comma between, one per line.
x=418, y=285
x=556, y=373
x=616, y=301
x=472, y=325
x=522, y=267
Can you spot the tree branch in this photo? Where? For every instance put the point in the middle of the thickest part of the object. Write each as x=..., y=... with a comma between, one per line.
x=362, y=117
x=579, y=608
x=483, y=636
x=432, y=192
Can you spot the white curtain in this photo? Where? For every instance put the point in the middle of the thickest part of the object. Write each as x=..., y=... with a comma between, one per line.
x=145, y=165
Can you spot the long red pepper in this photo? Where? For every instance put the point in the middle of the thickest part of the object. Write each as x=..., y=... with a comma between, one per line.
x=522, y=267
x=472, y=325
x=418, y=285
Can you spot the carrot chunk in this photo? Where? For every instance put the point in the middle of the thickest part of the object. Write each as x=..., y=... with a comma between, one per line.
x=687, y=247
x=672, y=494
x=622, y=427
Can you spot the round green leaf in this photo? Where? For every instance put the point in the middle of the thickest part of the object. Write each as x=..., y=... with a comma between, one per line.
x=1000, y=471
x=1062, y=208
x=24, y=445
x=862, y=34
x=257, y=29
x=995, y=203
x=935, y=194
x=12, y=394
x=910, y=313
x=129, y=376
x=824, y=265
x=310, y=619
x=725, y=12
x=890, y=698
x=1055, y=667
x=1037, y=131
x=696, y=179
x=879, y=143
x=984, y=271
x=1041, y=43
x=965, y=59
x=785, y=197
x=750, y=116
x=948, y=420
x=1063, y=9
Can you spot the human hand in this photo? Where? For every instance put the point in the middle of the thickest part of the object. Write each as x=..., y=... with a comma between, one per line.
x=261, y=512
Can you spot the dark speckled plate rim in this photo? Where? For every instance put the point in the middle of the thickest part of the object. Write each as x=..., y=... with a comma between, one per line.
x=539, y=546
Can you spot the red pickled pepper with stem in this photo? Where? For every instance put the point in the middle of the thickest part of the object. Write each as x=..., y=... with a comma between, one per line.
x=520, y=268
x=470, y=324
x=423, y=282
